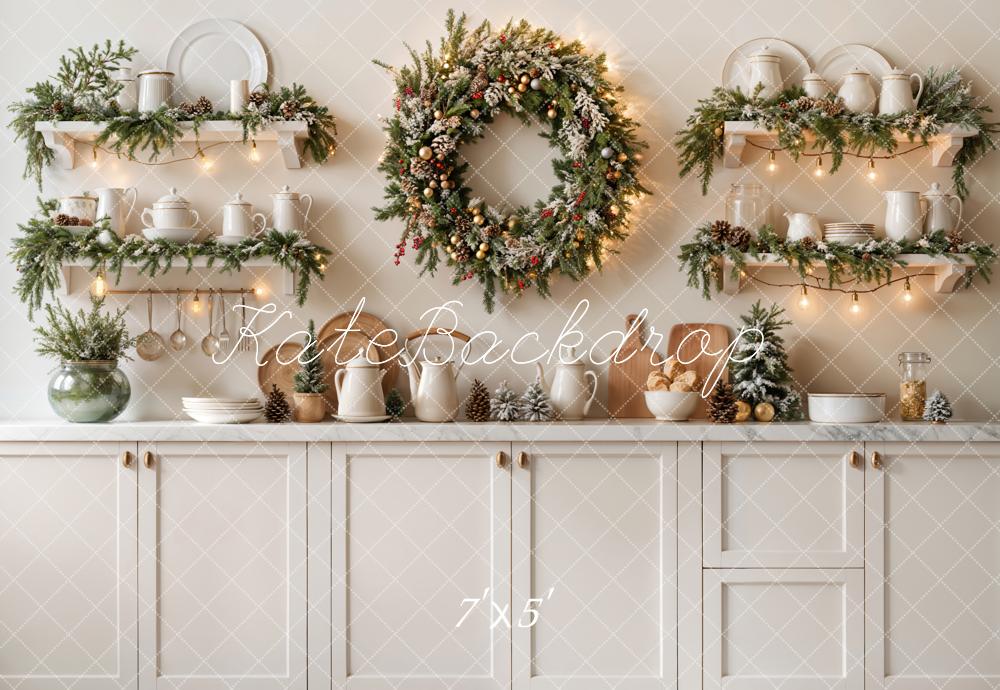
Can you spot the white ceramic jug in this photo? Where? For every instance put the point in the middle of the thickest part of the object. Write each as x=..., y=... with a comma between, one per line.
x=857, y=92
x=765, y=69
x=944, y=210
x=570, y=393
x=433, y=383
x=113, y=204
x=801, y=226
x=897, y=92
x=287, y=212
x=239, y=220
x=815, y=85
x=359, y=388
x=904, y=218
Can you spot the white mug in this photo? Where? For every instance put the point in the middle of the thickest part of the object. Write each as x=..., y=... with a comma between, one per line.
x=169, y=217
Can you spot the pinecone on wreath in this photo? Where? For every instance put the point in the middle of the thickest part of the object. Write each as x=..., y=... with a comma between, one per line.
x=463, y=253
x=720, y=231
x=57, y=107
x=477, y=405
x=739, y=237
x=722, y=405
x=505, y=406
x=425, y=170
x=257, y=98
x=276, y=409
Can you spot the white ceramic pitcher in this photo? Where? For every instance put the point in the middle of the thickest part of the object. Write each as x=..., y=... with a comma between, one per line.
x=287, y=212
x=113, y=203
x=857, y=91
x=801, y=226
x=765, y=69
x=433, y=383
x=897, y=92
x=944, y=210
x=904, y=219
x=359, y=388
x=570, y=393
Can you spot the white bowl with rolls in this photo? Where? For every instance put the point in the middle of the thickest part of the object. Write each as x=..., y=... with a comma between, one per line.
x=671, y=392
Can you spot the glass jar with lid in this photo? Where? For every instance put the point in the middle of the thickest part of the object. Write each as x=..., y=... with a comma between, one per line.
x=749, y=206
x=913, y=385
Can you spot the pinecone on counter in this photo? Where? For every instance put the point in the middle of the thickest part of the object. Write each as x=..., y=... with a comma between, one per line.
x=722, y=405
x=276, y=409
x=477, y=405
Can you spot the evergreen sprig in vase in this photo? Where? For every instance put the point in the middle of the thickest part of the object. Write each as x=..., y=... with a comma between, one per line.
x=88, y=386
x=310, y=405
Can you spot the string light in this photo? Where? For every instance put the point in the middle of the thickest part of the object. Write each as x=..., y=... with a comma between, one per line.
x=907, y=292
x=259, y=291
x=855, y=303
x=206, y=162
x=771, y=164
x=871, y=174
x=196, y=303
x=99, y=288
x=818, y=172
x=804, y=298
x=93, y=157
x=254, y=153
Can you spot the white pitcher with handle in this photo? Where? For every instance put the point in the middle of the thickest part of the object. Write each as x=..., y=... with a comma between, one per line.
x=802, y=225
x=897, y=92
x=433, y=383
x=570, y=394
x=113, y=203
x=944, y=210
x=904, y=218
x=359, y=389
x=287, y=212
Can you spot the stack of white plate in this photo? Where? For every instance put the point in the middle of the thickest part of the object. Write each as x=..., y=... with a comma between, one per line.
x=223, y=410
x=848, y=233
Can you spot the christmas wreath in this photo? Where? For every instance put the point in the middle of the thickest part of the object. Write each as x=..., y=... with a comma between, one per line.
x=449, y=98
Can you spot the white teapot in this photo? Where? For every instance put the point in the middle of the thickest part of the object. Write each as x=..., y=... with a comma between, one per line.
x=570, y=394
x=359, y=389
x=434, y=383
x=857, y=92
x=897, y=92
x=287, y=212
x=944, y=210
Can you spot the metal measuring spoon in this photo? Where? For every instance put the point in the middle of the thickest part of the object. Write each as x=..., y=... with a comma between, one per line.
x=178, y=339
x=210, y=344
x=149, y=345
x=224, y=336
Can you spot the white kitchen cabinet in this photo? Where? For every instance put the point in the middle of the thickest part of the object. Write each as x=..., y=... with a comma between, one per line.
x=783, y=505
x=792, y=628
x=932, y=564
x=222, y=566
x=67, y=566
x=594, y=552
x=421, y=566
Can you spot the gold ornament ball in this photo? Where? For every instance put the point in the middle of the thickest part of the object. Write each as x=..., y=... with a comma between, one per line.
x=580, y=235
x=511, y=223
x=552, y=114
x=614, y=210
x=427, y=103
x=434, y=244
x=480, y=255
x=763, y=412
x=433, y=184
x=532, y=275
x=637, y=157
x=454, y=256
x=478, y=219
x=617, y=174
x=474, y=210
x=474, y=113
x=622, y=157
x=428, y=192
x=447, y=184
x=483, y=247
x=443, y=176
x=438, y=114
x=425, y=152
x=525, y=79
x=440, y=156
x=511, y=89
x=455, y=239
x=743, y=411
x=718, y=131
x=521, y=88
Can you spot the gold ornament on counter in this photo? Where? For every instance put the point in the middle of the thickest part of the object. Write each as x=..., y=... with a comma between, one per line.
x=743, y=411
x=763, y=412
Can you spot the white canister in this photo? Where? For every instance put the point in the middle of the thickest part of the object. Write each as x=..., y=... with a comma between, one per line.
x=857, y=92
x=239, y=220
x=815, y=85
x=287, y=212
x=904, y=219
x=126, y=98
x=239, y=95
x=155, y=89
x=82, y=206
x=765, y=69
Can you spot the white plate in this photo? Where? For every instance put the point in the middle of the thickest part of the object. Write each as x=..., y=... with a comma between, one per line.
x=859, y=239
x=736, y=71
x=222, y=408
x=208, y=54
x=229, y=240
x=170, y=234
x=222, y=417
x=240, y=401
x=842, y=59
x=361, y=420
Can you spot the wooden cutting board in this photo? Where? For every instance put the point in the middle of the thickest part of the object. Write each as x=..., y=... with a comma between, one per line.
x=717, y=341
x=627, y=379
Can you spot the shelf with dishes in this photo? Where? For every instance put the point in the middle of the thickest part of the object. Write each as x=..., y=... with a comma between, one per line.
x=738, y=136
x=64, y=137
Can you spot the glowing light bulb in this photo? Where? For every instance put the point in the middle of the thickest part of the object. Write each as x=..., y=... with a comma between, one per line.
x=99, y=288
x=196, y=303
x=804, y=298
x=907, y=292
x=254, y=153
x=205, y=161
x=771, y=164
x=871, y=174
x=259, y=291
x=855, y=304
x=818, y=172
x=93, y=158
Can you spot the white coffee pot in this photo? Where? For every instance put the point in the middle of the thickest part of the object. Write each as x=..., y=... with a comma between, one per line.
x=239, y=220
x=433, y=383
x=904, y=218
x=857, y=92
x=113, y=203
x=943, y=210
x=897, y=92
x=802, y=225
x=765, y=69
x=170, y=211
x=359, y=388
x=287, y=211
x=570, y=393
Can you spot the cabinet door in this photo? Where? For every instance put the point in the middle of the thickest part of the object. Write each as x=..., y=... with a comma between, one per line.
x=933, y=555
x=421, y=566
x=222, y=567
x=771, y=629
x=783, y=505
x=594, y=554
x=67, y=566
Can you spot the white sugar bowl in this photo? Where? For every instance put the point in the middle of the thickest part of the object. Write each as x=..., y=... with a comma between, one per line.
x=170, y=211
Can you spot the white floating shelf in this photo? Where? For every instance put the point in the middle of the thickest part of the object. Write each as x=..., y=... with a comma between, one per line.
x=737, y=134
x=180, y=263
x=62, y=136
x=948, y=272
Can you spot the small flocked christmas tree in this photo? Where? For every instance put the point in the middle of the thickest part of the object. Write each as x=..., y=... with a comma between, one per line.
x=722, y=404
x=309, y=377
x=505, y=406
x=535, y=405
x=395, y=406
x=477, y=405
x=276, y=409
x=764, y=374
x=937, y=409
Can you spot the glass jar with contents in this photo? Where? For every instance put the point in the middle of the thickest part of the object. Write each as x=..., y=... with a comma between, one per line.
x=913, y=385
x=748, y=205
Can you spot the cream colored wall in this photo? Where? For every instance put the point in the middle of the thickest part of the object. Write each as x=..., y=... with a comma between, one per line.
x=666, y=54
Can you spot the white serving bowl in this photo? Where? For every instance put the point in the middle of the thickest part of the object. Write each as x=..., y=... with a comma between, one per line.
x=846, y=408
x=671, y=406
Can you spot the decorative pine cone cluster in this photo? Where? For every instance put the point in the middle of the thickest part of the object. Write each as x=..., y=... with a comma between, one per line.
x=807, y=243
x=289, y=109
x=65, y=220
x=199, y=108
x=724, y=233
x=257, y=98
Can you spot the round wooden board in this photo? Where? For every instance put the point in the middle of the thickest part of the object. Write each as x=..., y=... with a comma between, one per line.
x=274, y=372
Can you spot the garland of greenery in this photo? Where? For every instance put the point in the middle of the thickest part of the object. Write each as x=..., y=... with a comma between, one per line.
x=869, y=262
x=947, y=99
x=448, y=98
x=84, y=89
x=42, y=247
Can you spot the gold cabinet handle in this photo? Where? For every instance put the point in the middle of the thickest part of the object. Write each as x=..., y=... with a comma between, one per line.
x=501, y=459
x=147, y=459
x=854, y=459
x=876, y=460
x=522, y=460
x=126, y=459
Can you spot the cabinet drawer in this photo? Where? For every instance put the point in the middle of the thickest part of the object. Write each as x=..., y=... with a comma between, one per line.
x=801, y=629
x=782, y=505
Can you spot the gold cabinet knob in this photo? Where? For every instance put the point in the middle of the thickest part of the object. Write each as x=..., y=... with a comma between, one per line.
x=147, y=459
x=501, y=459
x=126, y=459
x=876, y=460
x=522, y=460
x=854, y=459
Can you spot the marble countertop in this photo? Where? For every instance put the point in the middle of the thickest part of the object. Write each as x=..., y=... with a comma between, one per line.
x=413, y=431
